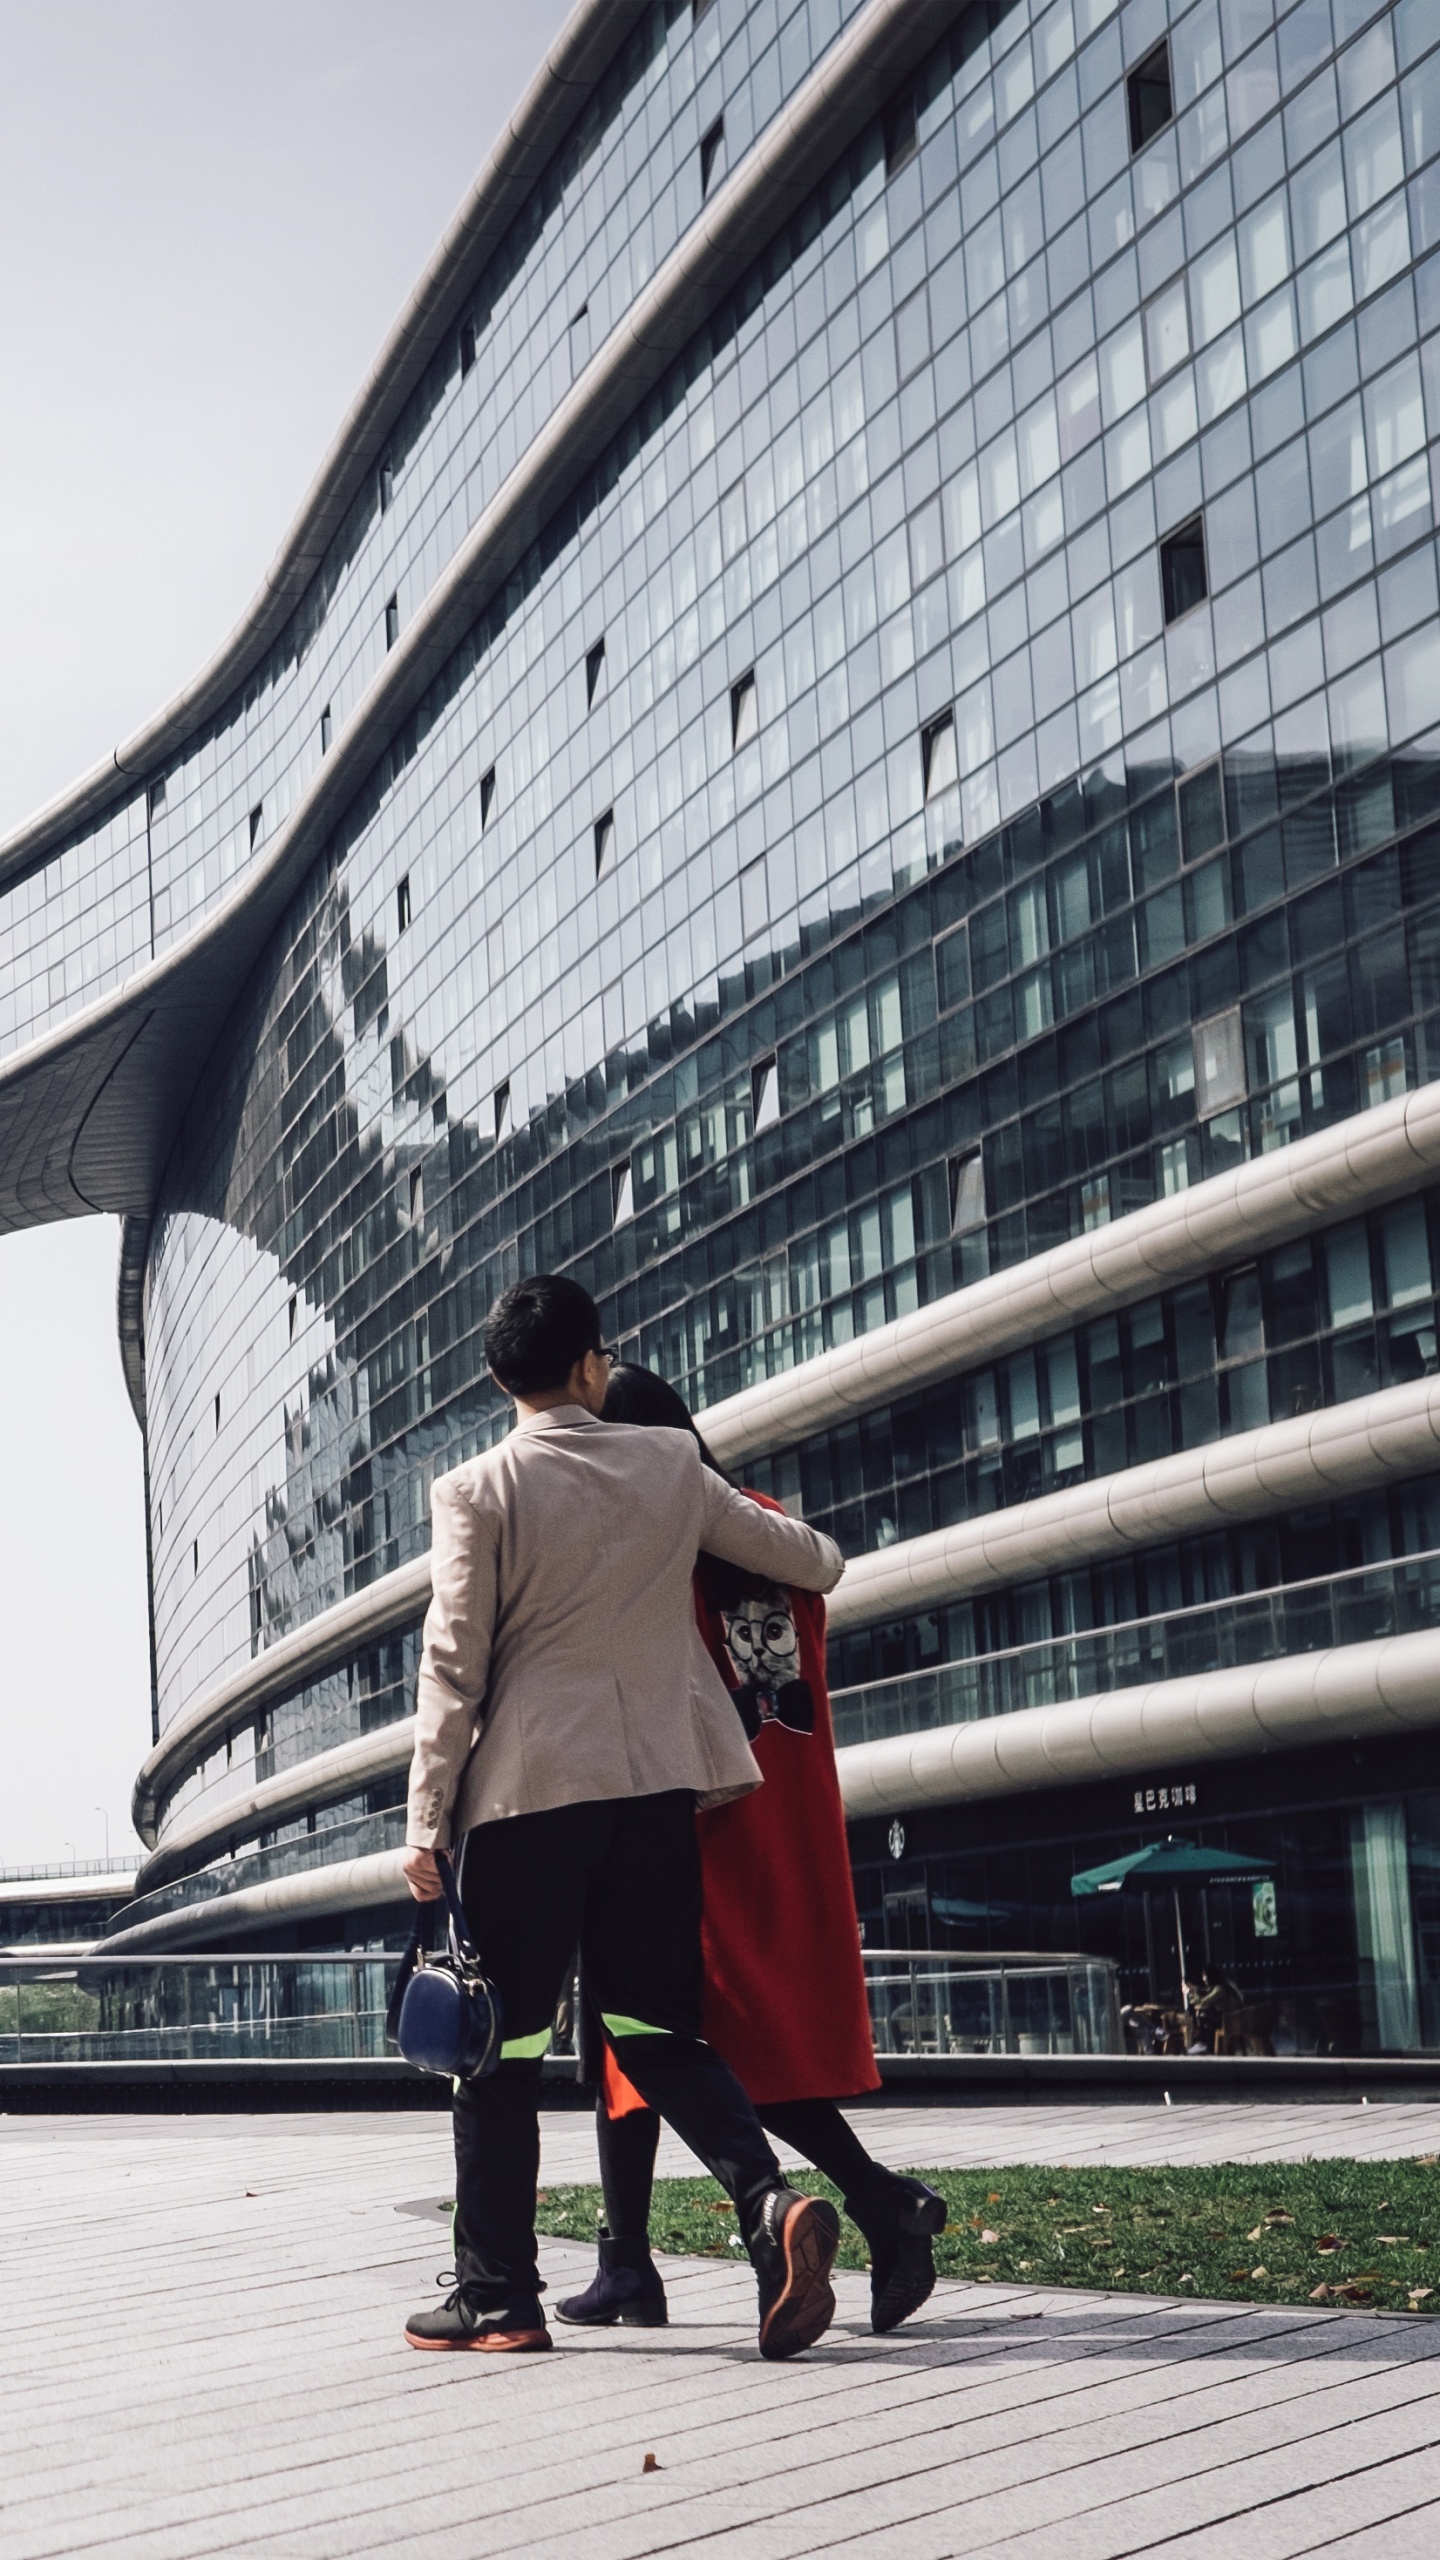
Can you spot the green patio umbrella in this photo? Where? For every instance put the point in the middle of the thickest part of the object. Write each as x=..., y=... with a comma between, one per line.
x=1171, y=1862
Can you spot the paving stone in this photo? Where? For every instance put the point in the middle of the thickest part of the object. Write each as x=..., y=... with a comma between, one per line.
x=231, y=2378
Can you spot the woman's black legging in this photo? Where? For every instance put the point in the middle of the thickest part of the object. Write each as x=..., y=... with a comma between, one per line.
x=814, y=2127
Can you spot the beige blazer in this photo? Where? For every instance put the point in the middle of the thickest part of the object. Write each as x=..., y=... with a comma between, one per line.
x=562, y=1662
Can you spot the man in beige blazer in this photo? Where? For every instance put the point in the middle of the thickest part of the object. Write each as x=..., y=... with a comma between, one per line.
x=568, y=1723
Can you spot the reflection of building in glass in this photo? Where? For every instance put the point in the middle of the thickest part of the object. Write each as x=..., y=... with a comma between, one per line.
x=865, y=778
x=59, y=1911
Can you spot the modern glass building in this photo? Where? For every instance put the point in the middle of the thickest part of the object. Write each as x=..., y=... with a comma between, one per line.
x=847, y=746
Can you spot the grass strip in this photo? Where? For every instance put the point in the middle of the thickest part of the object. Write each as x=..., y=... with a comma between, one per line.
x=1352, y=2233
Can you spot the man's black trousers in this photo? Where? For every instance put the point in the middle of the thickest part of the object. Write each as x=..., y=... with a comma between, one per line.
x=619, y=1882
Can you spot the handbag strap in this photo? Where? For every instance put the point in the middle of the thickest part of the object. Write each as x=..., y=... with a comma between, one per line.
x=422, y=1930
x=459, y=1925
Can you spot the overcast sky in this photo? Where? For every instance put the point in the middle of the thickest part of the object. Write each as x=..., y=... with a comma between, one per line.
x=210, y=214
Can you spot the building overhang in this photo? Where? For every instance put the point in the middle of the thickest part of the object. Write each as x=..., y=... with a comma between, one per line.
x=88, y=1113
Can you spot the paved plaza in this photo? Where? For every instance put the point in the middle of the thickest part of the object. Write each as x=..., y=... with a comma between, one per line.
x=202, y=2355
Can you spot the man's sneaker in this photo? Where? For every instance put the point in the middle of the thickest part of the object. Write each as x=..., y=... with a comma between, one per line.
x=458, y=2328
x=793, y=2253
x=900, y=2222
x=626, y=2288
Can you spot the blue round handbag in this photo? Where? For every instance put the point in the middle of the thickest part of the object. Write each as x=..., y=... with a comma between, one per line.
x=444, y=2015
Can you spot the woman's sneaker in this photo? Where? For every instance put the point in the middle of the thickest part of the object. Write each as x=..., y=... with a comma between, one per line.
x=899, y=2220
x=793, y=2252
x=626, y=2287
x=459, y=2328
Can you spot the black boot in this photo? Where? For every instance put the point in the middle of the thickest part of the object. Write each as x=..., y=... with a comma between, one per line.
x=899, y=2217
x=626, y=2287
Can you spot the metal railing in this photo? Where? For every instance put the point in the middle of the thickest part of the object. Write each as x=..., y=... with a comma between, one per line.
x=1358, y=1606
x=955, y=2004
x=332, y=2008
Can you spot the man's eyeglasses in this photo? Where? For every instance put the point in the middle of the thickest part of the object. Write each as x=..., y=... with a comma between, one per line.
x=610, y=1351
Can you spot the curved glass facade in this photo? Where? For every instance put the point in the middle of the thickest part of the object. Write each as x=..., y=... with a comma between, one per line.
x=964, y=765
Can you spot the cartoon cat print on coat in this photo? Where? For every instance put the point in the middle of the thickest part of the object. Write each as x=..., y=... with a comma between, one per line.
x=763, y=1643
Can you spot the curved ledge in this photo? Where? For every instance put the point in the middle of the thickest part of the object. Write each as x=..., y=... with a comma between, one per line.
x=1345, y=1694
x=1346, y=1448
x=586, y=44
x=112, y=1080
x=1392, y=1687
x=130, y=1309
x=1360, y=1164
x=277, y=1673
x=324, y=1779
x=355, y=1884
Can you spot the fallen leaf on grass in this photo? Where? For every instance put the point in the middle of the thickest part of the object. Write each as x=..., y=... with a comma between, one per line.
x=1392, y=2239
x=1257, y=2272
x=988, y=2239
x=1420, y=2293
x=725, y=2206
x=1327, y=2247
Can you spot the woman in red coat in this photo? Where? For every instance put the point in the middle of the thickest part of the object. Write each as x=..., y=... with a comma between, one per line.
x=785, y=1996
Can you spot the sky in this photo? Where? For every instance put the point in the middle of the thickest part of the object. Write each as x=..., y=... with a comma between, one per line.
x=210, y=215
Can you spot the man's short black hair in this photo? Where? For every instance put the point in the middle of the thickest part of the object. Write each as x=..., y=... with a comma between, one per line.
x=537, y=1330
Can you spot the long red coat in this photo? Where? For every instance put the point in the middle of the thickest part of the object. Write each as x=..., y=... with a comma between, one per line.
x=784, y=1983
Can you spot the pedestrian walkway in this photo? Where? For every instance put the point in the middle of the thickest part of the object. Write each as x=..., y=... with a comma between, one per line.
x=202, y=2356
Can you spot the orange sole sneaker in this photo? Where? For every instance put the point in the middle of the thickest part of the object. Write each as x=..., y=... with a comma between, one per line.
x=805, y=2306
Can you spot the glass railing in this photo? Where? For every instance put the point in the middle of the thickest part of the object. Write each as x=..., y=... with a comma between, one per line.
x=332, y=2008
x=195, y=2009
x=1026, y=2003
x=1356, y=1607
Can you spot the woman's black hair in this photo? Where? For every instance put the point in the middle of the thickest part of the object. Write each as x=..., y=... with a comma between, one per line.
x=638, y=1395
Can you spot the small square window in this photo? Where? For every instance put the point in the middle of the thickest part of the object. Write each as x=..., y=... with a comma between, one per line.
x=1167, y=330
x=402, y=904
x=1151, y=99
x=1182, y=568
x=967, y=1194
x=392, y=622
x=487, y=798
x=902, y=140
x=712, y=146
x=764, y=1096
x=594, y=671
x=502, y=1111
x=604, y=841
x=256, y=814
x=1219, y=1064
x=387, y=483
x=744, y=711
x=938, y=757
x=327, y=730
x=467, y=347
x=1095, y=1202
x=624, y=1195
x=1202, y=812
